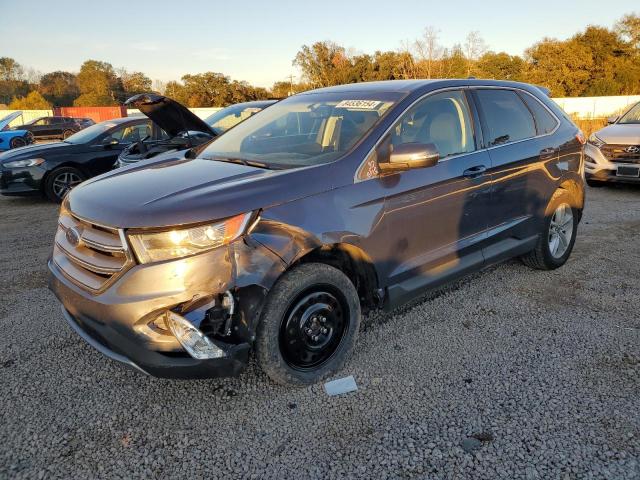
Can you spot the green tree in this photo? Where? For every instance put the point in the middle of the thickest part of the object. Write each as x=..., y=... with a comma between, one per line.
x=94, y=100
x=500, y=66
x=134, y=83
x=562, y=66
x=33, y=101
x=12, y=81
x=324, y=64
x=97, y=82
x=59, y=88
x=628, y=28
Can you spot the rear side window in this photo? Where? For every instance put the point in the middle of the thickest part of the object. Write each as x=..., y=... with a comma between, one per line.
x=506, y=117
x=545, y=122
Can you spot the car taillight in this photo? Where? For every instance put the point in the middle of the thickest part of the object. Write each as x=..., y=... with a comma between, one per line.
x=581, y=138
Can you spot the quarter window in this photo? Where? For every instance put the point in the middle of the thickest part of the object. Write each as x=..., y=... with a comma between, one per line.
x=545, y=122
x=506, y=117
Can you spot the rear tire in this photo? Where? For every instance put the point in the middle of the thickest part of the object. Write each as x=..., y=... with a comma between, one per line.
x=309, y=325
x=558, y=236
x=17, y=142
x=60, y=181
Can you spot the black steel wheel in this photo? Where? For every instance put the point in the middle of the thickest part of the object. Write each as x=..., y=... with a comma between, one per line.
x=309, y=324
x=313, y=328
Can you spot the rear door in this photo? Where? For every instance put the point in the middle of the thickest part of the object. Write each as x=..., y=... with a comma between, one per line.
x=519, y=147
x=436, y=217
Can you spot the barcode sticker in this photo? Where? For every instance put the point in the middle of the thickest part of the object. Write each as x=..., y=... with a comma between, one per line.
x=359, y=104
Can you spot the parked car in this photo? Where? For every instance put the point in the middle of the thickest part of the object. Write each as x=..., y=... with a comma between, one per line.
x=613, y=153
x=330, y=202
x=56, y=127
x=55, y=168
x=13, y=137
x=181, y=129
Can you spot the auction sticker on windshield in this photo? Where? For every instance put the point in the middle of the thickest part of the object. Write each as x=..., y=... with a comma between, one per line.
x=359, y=104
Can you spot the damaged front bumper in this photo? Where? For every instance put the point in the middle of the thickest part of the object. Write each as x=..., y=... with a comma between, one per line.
x=125, y=322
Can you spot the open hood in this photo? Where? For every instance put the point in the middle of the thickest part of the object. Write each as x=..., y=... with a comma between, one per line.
x=4, y=121
x=168, y=114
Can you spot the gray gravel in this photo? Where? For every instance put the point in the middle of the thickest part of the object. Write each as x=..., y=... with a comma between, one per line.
x=511, y=373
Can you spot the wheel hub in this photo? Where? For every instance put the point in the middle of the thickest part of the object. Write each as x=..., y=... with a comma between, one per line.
x=313, y=328
x=560, y=230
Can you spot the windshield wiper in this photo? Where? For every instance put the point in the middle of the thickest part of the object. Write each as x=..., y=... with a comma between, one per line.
x=242, y=161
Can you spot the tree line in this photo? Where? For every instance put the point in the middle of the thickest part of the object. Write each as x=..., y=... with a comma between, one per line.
x=595, y=61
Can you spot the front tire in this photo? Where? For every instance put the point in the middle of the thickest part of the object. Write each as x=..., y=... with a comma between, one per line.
x=60, y=181
x=309, y=325
x=558, y=236
x=17, y=142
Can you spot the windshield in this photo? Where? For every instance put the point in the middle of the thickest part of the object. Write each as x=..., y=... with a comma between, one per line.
x=90, y=133
x=224, y=119
x=303, y=130
x=632, y=116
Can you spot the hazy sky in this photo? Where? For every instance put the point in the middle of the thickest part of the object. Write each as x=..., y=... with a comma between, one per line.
x=257, y=41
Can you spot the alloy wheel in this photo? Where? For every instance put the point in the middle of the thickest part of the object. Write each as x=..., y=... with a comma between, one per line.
x=560, y=230
x=64, y=182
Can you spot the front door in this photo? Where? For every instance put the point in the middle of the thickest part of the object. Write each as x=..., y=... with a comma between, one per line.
x=436, y=217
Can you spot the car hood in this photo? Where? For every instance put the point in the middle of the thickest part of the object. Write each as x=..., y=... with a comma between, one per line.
x=168, y=114
x=620, y=134
x=171, y=192
x=36, y=150
x=6, y=120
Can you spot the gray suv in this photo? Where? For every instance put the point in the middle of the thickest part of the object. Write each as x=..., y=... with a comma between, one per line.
x=277, y=235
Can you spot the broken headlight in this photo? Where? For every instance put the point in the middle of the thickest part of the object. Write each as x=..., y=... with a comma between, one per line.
x=178, y=243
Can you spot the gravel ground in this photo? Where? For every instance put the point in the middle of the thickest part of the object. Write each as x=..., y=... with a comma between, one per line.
x=535, y=374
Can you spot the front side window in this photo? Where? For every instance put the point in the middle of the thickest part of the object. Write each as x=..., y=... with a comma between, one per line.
x=304, y=130
x=507, y=118
x=132, y=133
x=632, y=116
x=442, y=119
x=226, y=118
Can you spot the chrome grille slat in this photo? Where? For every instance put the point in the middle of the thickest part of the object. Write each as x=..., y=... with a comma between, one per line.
x=94, y=257
x=619, y=153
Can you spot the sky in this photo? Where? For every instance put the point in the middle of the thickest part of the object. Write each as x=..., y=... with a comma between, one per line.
x=257, y=41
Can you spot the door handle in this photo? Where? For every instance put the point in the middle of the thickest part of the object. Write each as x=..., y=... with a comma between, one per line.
x=474, y=171
x=547, y=153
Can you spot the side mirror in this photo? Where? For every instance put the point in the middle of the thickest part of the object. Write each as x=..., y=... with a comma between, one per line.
x=110, y=141
x=613, y=119
x=412, y=155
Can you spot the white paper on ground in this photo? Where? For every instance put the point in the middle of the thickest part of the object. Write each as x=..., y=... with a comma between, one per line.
x=340, y=386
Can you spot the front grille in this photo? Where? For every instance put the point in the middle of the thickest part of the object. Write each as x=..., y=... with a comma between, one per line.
x=620, y=153
x=90, y=255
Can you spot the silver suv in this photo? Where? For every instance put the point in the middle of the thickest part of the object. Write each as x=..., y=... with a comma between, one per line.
x=613, y=153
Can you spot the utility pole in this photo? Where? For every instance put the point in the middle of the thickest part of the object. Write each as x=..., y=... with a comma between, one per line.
x=290, y=77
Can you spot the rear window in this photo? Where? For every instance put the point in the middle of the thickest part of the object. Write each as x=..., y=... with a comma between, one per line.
x=545, y=122
x=507, y=118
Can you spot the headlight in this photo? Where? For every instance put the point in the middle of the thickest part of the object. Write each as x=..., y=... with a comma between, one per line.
x=30, y=162
x=595, y=141
x=157, y=246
